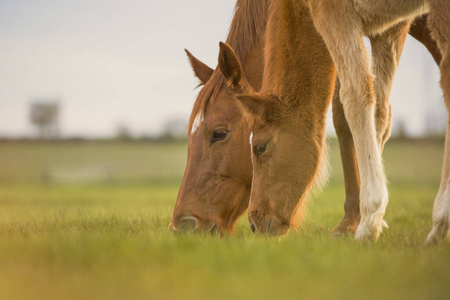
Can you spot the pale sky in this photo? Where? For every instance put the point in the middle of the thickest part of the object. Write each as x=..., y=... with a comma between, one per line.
x=122, y=62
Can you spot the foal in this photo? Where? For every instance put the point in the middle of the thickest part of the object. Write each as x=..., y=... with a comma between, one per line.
x=278, y=185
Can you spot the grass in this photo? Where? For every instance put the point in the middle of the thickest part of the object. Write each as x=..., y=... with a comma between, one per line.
x=106, y=237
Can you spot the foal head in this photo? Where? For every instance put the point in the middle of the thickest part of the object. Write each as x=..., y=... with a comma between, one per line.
x=217, y=180
x=287, y=151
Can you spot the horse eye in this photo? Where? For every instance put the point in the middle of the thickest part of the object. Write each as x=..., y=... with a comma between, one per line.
x=260, y=149
x=219, y=135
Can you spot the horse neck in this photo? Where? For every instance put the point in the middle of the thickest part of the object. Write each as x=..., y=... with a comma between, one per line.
x=298, y=68
x=253, y=65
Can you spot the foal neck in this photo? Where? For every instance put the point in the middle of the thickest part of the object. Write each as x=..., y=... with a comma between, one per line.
x=298, y=67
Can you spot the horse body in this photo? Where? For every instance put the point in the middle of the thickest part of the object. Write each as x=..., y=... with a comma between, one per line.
x=380, y=15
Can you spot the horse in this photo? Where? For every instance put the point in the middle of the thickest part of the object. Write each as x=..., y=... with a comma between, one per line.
x=221, y=107
x=307, y=44
x=216, y=184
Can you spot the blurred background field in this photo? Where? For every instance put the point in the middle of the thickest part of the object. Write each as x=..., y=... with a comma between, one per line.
x=88, y=220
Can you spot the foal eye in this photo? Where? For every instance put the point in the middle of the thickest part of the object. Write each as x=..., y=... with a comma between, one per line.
x=260, y=149
x=219, y=135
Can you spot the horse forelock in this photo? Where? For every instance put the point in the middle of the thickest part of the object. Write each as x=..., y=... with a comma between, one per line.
x=208, y=92
x=248, y=25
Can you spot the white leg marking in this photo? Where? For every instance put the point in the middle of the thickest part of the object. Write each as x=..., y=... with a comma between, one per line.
x=441, y=216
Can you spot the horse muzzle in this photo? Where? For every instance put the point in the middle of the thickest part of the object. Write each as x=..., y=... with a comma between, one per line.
x=190, y=224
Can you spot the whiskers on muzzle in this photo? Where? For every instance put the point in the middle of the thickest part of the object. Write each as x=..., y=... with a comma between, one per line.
x=190, y=224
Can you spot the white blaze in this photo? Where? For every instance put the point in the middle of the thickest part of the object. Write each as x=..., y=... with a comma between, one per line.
x=197, y=121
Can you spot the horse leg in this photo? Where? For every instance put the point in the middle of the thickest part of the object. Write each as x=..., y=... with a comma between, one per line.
x=344, y=39
x=419, y=30
x=351, y=177
x=441, y=207
x=439, y=22
x=386, y=51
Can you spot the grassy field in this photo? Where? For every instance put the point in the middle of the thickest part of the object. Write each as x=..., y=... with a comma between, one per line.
x=89, y=221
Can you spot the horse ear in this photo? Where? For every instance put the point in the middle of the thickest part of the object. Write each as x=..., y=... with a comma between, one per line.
x=256, y=107
x=201, y=70
x=230, y=66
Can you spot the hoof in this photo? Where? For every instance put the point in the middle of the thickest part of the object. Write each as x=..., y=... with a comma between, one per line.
x=437, y=234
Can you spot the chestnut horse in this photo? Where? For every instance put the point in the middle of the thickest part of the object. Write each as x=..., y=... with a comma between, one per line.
x=218, y=176
x=217, y=212
x=288, y=114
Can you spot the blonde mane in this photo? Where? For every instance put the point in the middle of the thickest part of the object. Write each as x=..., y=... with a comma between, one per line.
x=247, y=26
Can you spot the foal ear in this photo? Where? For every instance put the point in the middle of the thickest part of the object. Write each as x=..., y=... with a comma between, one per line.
x=230, y=66
x=256, y=107
x=201, y=70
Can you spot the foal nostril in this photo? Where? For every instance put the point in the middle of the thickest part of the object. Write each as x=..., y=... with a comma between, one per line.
x=275, y=227
x=252, y=226
x=188, y=224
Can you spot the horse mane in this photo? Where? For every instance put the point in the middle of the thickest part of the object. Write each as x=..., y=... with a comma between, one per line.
x=248, y=24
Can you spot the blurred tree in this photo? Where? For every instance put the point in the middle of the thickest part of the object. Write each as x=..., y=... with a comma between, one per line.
x=123, y=132
x=45, y=116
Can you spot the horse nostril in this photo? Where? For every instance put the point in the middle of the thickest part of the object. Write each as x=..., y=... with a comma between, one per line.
x=252, y=226
x=188, y=224
x=275, y=227
x=214, y=229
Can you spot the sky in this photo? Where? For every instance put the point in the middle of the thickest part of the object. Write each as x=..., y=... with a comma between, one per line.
x=113, y=63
